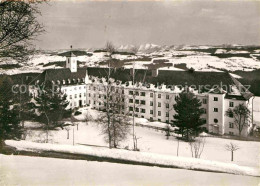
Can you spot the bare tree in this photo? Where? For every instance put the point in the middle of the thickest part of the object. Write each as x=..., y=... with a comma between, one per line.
x=18, y=27
x=197, y=146
x=135, y=104
x=135, y=49
x=114, y=123
x=110, y=48
x=231, y=147
x=241, y=116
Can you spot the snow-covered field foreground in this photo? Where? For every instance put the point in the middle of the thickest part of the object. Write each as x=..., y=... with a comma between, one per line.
x=137, y=157
x=151, y=140
x=22, y=170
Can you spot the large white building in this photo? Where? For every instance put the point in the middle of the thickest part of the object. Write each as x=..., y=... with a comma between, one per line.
x=85, y=86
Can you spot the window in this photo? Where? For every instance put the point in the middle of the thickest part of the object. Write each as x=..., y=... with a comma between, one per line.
x=131, y=108
x=204, y=101
x=80, y=95
x=151, y=111
x=84, y=94
x=75, y=95
x=167, y=114
x=231, y=115
x=136, y=109
x=204, y=121
x=231, y=133
x=151, y=103
x=159, y=95
x=215, y=98
x=159, y=104
x=159, y=113
x=131, y=92
x=215, y=120
x=89, y=95
x=231, y=125
x=231, y=104
x=167, y=96
x=137, y=93
x=137, y=101
x=167, y=105
x=142, y=102
x=131, y=100
x=70, y=96
x=151, y=95
x=142, y=93
x=205, y=111
x=215, y=109
x=142, y=110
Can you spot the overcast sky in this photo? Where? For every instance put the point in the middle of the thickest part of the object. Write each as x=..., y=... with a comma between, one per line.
x=85, y=24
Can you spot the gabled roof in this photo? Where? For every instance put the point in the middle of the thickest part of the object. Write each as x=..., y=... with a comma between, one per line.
x=61, y=74
x=244, y=92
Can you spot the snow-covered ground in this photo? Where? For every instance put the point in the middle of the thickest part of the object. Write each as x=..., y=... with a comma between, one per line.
x=154, y=141
x=200, y=61
x=22, y=170
x=138, y=157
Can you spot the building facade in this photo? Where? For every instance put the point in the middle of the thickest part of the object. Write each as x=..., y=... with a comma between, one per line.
x=154, y=103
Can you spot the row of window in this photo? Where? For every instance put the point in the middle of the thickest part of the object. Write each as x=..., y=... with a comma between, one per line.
x=76, y=95
x=75, y=88
x=75, y=103
x=231, y=103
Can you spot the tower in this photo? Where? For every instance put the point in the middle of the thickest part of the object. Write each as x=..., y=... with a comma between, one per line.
x=71, y=61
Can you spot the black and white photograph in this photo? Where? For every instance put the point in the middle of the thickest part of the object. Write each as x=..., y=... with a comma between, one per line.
x=130, y=92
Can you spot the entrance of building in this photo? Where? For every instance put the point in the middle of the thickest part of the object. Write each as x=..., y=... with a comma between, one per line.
x=215, y=129
x=80, y=103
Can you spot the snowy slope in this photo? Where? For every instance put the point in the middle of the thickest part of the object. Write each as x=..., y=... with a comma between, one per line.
x=142, y=157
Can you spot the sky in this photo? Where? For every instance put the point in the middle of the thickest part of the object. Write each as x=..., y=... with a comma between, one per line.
x=86, y=24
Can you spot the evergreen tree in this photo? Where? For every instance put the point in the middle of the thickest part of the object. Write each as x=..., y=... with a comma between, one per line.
x=51, y=108
x=188, y=112
x=9, y=122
